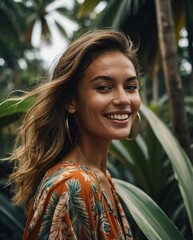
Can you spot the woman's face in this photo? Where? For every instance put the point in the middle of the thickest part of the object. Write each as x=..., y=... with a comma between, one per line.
x=108, y=98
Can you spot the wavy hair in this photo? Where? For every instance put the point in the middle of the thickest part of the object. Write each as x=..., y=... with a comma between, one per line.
x=42, y=139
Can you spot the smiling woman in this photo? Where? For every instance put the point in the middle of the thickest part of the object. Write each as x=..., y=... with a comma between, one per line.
x=111, y=85
x=92, y=99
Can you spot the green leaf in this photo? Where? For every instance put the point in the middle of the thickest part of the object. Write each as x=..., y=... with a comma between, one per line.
x=180, y=162
x=147, y=214
x=136, y=163
x=108, y=14
x=86, y=7
x=117, y=11
x=155, y=171
x=11, y=110
x=121, y=13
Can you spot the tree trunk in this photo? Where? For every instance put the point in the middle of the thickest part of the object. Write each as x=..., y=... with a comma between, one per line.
x=172, y=77
x=189, y=27
x=155, y=84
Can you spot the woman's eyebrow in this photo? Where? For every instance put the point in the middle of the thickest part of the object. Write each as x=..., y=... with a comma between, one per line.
x=109, y=78
x=133, y=78
x=102, y=77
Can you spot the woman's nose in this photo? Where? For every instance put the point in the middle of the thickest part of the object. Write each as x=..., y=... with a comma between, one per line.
x=121, y=98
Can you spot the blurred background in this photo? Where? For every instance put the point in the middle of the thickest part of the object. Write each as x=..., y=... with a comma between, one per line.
x=33, y=33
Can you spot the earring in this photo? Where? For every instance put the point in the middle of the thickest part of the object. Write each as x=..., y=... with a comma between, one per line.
x=136, y=127
x=68, y=132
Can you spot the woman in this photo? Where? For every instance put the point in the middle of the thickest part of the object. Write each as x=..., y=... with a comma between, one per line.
x=61, y=176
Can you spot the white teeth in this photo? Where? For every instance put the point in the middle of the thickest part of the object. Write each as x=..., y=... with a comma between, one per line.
x=118, y=116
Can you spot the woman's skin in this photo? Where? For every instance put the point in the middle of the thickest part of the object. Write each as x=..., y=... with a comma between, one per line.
x=105, y=109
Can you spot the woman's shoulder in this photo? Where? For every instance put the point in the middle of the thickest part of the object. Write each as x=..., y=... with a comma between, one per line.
x=68, y=170
x=65, y=175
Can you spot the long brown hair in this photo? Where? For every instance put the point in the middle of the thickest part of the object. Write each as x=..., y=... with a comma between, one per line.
x=42, y=139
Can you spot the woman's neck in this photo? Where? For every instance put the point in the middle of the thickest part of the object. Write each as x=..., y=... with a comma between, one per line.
x=97, y=160
x=91, y=155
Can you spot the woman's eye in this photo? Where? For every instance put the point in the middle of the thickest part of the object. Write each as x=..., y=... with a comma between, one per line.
x=131, y=87
x=103, y=88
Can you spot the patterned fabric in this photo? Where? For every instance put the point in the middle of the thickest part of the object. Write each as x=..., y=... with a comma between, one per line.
x=70, y=203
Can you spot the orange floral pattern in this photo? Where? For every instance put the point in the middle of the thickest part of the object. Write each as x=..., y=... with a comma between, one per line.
x=71, y=204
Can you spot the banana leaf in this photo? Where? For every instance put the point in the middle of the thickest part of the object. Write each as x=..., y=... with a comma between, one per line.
x=148, y=215
x=11, y=110
x=180, y=162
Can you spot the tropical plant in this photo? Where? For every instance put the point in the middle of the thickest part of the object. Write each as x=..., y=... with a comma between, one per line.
x=24, y=22
x=44, y=18
x=19, y=64
x=149, y=217
x=11, y=47
x=144, y=161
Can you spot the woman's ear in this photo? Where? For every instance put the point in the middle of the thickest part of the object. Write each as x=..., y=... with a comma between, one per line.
x=71, y=107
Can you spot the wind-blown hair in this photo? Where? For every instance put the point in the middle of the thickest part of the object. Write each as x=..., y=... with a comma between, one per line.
x=42, y=139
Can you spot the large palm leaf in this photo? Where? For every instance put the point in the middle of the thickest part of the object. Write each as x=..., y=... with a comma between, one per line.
x=149, y=217
x=44, y=17
x=181, y=164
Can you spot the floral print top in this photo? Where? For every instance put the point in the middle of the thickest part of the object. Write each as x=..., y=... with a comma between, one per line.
x=70, y=203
